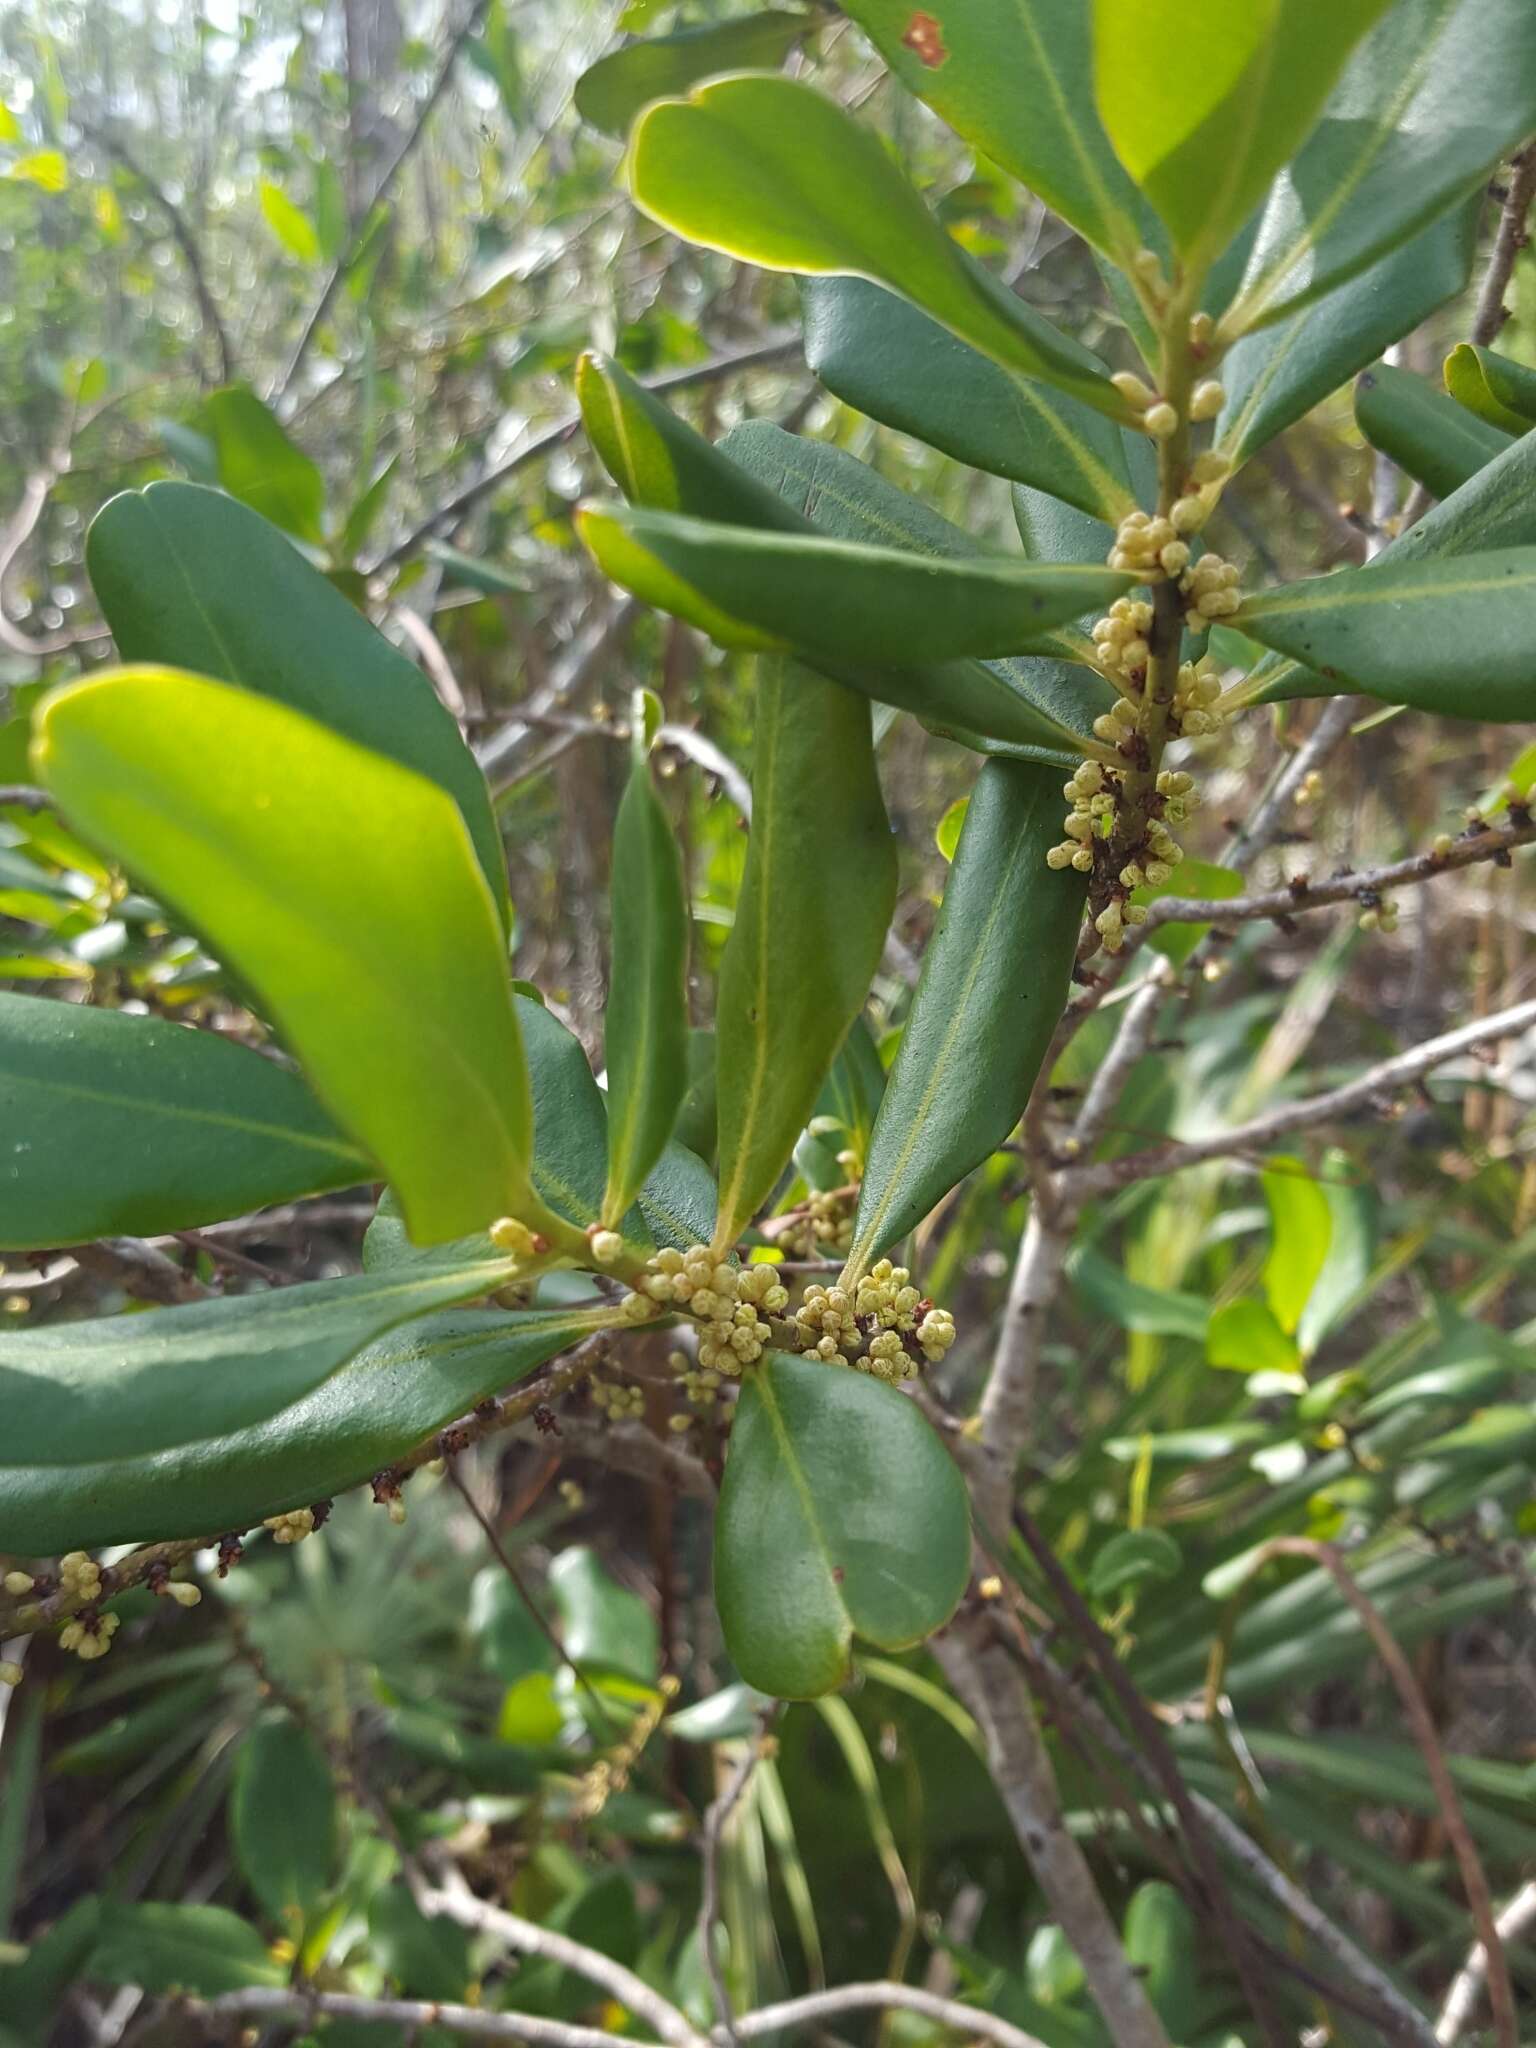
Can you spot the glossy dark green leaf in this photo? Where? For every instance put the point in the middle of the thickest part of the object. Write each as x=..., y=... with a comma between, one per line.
x=260, y=466
x=1438, y=442
x=1496, y=388
x=995, y=977
x=198, y=1949
x=289, y=863
x=645, y=1030
x=679, y=1198
x=188, y=577
x=770, y=170
x=696, y=1119
x=117, y=1124
x=381, y=1403
x=1275, y=376
x=603, y=1626
x=614, y=89
x=838, y=600
x=117, y=1387
x=819, y=886
x=1447, y=636
x=1236, y=93
x=1429, y=103
x=841, y=1515
x=884, y=357
x=282, y=1819
x=1044, y=706
x=1015, y=77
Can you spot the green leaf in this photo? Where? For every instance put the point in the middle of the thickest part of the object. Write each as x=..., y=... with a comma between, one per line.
x=614, y=89
x=1015, y=77
x=1346, y=1271
x=884, y=357
x=1275, y=376
x=289, y=864
x=819, y=887
x=1162, y=1944
x=678, y=1200
x=1244, y=1337
x=1432, y=99
x=646, y=1023
x=1204, y=102
x=192, y=579
x=840, y=1515
x=1130, y=1556
x=1502, y=1434
x=1046, y=707
x=1452, y=637
x=381, y=1403
x=1163, y=1311
x=1194, y=879
x=282, y=1819
x=118, y=1388
x=424, y=1958
x=260, y=466
x=128, y=1737
x=1497, y=389
x=603, y=1626
x=1300, y=1232
x=200, y=1949
x=55, y=1962
x=838, y=600
x=1440, y=444
x=995, y=977
x=119, y=1124
x=769, y=170
x=291, y=225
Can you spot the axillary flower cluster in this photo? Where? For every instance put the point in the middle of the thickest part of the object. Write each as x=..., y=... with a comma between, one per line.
x=1119, y=834
x=883, y=1325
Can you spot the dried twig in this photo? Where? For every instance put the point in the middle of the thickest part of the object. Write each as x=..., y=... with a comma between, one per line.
x=1509, y=240
x=716, y=1815
x=1461, y=2000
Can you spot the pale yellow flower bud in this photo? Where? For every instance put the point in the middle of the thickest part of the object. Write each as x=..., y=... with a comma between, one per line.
x=1211, y=467
x=1160, y=421
x=1188, y=514
x=1133, y=390
x=607, y=1245
x=11, y=1674
x=1206, y=400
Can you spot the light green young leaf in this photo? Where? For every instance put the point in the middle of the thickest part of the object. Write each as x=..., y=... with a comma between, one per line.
x=259, y=465
x=841, y=1515
x=1300, y=1232
x=1015, y=77
x=820, y=886
x=1496, y=388
x=612, y=91
x=1204, y=102
x=1438, y=442
x=995, y=977
x=1432, y=99
x=646, y=1025
x=118, y=1124
x=282, y=1819
x=885, y=357
x=1452, y=637
x=771, y=171
x=1352, y=1207
x=291, y=225
x=397, y=999
x=191, y=579
x=1245, y=1337
x=838, y=600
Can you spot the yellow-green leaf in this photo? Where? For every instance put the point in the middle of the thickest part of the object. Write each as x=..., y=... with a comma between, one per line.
x=291, y=225
x=342, y=888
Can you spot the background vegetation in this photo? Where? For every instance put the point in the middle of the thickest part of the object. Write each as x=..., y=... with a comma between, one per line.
x=392, y=227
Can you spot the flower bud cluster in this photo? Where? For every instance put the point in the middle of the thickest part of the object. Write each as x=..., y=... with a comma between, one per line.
x=80, y=1576
x=89, y=1635
x=701, y=1384
x=1147, y=547
x=1197, y=700
x=292, y=1527
x=616, y=1401
x=1120, y=640
x=825, y=1228
x=1210, y=592
x=826, y=1324
x=733, y=1303
x=1092, y=816
x=1380, y=916
x=883, y=1326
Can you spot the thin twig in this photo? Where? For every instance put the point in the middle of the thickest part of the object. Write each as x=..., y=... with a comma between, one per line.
x=385, y=185
x=454, y=1901
x=1461, y=1999
x=1422, y=1724
x=1508, y=241
x=411, y=2013
x=716, y=1815
x=816, y=2006
x=1381, y=1080
x=24, y=796
x=772, y=349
